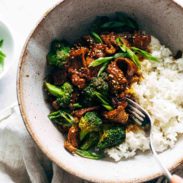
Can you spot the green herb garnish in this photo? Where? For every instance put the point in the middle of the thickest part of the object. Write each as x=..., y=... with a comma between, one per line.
x=145, y=54
x=1, y=43
x=103, y=60
x=2, y=56
x=129, y=52
x=96, y=37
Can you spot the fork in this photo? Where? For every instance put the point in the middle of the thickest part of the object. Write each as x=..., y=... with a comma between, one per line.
x=141, y=116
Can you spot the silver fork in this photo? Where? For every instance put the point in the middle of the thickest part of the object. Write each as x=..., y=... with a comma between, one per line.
x=141, y=116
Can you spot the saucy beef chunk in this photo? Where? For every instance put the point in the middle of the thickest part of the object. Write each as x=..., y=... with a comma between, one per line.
x=73, y=136
x=97, y=50
x=79, y=52
x=121, y=72
x=88, y=40
x=109, y=39
x=74, y=65
x=69, y=146
x=55, y=105
x=117, y=115
x=80, y=112
x=59, y=76
x=116, y=77
x=77, y=80
x=127, y=66
x=141, y=40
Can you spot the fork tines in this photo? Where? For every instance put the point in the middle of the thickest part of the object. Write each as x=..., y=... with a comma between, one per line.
x=136, y=114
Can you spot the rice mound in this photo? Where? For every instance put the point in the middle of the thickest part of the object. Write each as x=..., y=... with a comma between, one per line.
x=161, y=94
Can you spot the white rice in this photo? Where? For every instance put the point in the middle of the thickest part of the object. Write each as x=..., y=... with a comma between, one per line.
x=161, y=94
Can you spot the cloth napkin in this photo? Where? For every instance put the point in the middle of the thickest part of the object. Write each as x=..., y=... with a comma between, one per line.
x=20, y=159
x=22, y=162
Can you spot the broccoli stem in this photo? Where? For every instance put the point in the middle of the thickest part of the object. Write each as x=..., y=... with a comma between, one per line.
x=89, y=154
x=55, y=115
x=82, y=134
x=92, y=140
x=104, y=101
x=77, y=105
x=54, y=90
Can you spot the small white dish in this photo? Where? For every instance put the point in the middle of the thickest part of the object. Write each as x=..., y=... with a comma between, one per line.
x=7, y=48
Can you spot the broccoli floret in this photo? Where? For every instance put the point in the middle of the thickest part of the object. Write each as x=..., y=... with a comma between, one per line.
x=111, y=137
x=100, y=84
x=90, y=122
x=62, y=93
x=98, y=90
x=92, y=140
x=93, y=95
x=61, y=117
x=58, y=54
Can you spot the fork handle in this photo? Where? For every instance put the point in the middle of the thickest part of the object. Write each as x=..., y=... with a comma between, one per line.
x=164, y=168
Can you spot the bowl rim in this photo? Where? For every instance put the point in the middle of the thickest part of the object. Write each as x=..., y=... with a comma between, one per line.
x=27, y=122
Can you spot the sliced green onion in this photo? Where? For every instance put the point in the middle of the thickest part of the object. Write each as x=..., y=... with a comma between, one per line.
x=145, y=54
x=103, y=60
x=129, y=52
x=96, y=37
x=102, y=69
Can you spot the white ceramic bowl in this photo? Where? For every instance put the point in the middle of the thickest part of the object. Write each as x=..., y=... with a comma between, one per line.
x=7, y=48
x=69, y=20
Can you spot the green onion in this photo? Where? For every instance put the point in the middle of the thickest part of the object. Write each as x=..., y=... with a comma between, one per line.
x=145, y=54
x=2, y=56
x=103, y=60
x=129, y=52
x=96, y=37
x=134, y=57
x=77, y=105
x=1, y=43
x=102, y=69
x=105, y=102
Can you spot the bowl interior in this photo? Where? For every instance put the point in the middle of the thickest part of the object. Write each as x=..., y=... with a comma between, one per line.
x=7, y=48
x=69, y=20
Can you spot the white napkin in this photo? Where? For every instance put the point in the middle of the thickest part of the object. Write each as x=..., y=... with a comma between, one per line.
x=20, y=160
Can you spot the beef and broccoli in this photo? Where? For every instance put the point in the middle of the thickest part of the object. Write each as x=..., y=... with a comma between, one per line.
x=89, y=81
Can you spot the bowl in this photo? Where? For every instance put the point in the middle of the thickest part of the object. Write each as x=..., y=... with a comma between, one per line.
x=7, y=48
x=69, y=20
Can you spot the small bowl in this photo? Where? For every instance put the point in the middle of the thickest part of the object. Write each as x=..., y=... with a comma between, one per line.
x=70, y=20
x=7, y=48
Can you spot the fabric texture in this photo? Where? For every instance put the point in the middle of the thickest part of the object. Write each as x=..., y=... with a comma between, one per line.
x=21, y=161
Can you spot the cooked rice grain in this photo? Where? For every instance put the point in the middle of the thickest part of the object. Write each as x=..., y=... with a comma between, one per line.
x=161, y=94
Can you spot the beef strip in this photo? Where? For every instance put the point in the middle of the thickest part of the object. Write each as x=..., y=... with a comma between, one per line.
x=78, y=81
x=73, y=136
x=117, y=115
x=117, y=80
x=97, y=50
x=69, y=146
x=141, y=40
x=80, y=112
x=55, y=105
x=59, y=76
